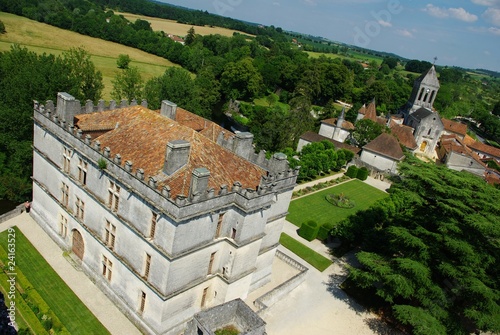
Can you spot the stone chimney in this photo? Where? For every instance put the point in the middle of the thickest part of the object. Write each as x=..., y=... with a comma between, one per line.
x=168, y=109
x=67, y=107
x=199, y=183
x=177, y=156
x=243, y=144
x=278, y=163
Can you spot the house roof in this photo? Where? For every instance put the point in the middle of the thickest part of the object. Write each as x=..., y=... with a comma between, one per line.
x=421, y=113
x=141, y=136
x=370, y=111
x=429, y=77
x=314, y=137
x=333, y=122
x=454, y=127
x=386, y=145
x=481, y=147
x=404, y=134
x=453, y=143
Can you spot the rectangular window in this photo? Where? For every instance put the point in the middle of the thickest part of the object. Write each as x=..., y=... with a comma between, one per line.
x=65, y=195
x=80, y=209
x=147, y=266
x=142, y=303
x=66, y=159
x=82, y=172
x=63, y=225
x=211, y=263
x=152, y=229
x=219, y=225
x=110, y=234
x=113, y=196
x=233, y=233
x=107, y=268
x=204, y=297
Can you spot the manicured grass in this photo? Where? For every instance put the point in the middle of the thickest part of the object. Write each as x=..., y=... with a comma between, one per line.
x=43, y=38
x=73, y=314
x=315, y=207
x=320, y=262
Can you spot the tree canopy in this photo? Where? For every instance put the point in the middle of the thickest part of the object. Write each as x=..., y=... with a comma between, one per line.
x=431, y=251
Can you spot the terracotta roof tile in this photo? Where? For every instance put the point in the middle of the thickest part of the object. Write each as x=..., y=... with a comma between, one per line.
x=142, y=136
x=314, y=137
x=386, y=145
x=404, y=134
x=481, y=147
x=454, y=143
x=370, y=111
x=454, y=127
x=205, y=127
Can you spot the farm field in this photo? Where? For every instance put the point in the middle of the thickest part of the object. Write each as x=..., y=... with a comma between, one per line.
x=180, y=29
x=316, y=208
x=352, y=56
x=41, y=291
x=43, y=38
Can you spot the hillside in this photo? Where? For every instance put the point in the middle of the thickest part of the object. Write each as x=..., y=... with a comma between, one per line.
x=43, y=38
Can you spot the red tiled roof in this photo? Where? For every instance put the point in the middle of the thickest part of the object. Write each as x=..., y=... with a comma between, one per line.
x=454, y=143
x=370, y=111
x=345, y=125
x=386, y=145
x=142, y=136
x=454, y=127
x=404, y=134
x=481, y=147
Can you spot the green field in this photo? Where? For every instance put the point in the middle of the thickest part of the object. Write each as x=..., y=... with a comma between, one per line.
x=43, y=38
x=352, y=55
x=46, y=290
x=320, y=262
x=315, y=207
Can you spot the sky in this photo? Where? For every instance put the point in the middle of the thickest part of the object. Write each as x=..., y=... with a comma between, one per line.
x=463, y=33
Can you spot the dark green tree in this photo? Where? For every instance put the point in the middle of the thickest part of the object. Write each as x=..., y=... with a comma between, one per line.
x=190, y=37
x=366, y=131
x=2, y=28
x=86, y=79
x=496, y=109
x=431, y=251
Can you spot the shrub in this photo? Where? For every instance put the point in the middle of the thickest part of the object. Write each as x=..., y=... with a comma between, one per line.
x=352, y=171
x=324, y=231
x=362, y=173
x=102, y=164
x=309, y=230
x=2, y=28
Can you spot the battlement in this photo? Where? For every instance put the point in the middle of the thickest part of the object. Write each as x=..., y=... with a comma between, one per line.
x=200, y=197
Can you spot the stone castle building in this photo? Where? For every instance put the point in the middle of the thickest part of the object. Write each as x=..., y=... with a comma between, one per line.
x=167, y=213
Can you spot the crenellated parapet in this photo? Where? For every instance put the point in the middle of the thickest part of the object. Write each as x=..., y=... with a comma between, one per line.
x=200, y=197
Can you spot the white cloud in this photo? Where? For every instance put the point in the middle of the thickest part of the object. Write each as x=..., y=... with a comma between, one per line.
x=404, y=33
x=456, y=13
x=384, y=23
x=487, y=3
x=494, y=30
x=492, y=15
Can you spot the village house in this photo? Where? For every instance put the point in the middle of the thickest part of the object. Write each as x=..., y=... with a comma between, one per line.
x=168, y=213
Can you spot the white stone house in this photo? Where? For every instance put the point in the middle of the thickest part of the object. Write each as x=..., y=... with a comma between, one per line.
x=383, y=154
x=167, y=214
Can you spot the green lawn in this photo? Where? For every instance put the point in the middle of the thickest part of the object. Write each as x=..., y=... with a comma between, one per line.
x=315, y=207
x=73, y=314
x=310, y=256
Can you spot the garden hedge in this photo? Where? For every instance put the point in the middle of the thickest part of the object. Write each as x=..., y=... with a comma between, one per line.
x=309, y=230
x=352, y=171
x=324, y=231
x=362, y=173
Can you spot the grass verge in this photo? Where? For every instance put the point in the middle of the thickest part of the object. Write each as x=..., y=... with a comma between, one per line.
x=320, y=262
x=50, y=288
x=315, y=207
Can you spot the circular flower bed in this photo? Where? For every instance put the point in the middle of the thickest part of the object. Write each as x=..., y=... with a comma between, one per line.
x=340, y=200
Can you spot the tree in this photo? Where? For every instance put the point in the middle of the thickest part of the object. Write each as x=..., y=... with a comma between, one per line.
x=241, y=80
x=123, y=61
x=391, y=62
x=366, y=131
x=190, y=37
x=87, y=80
x=128, y=85
x=430, y=251
x=2, y=28
x=175, y=85
x=496, y=109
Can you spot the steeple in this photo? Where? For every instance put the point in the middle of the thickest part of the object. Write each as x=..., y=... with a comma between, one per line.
x=340, y=122
x=425, y=90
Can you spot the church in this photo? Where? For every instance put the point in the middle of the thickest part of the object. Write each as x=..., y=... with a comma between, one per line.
x=168, y=213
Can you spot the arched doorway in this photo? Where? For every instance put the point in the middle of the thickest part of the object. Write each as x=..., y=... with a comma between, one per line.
x=78, y=245
x=423, y=146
